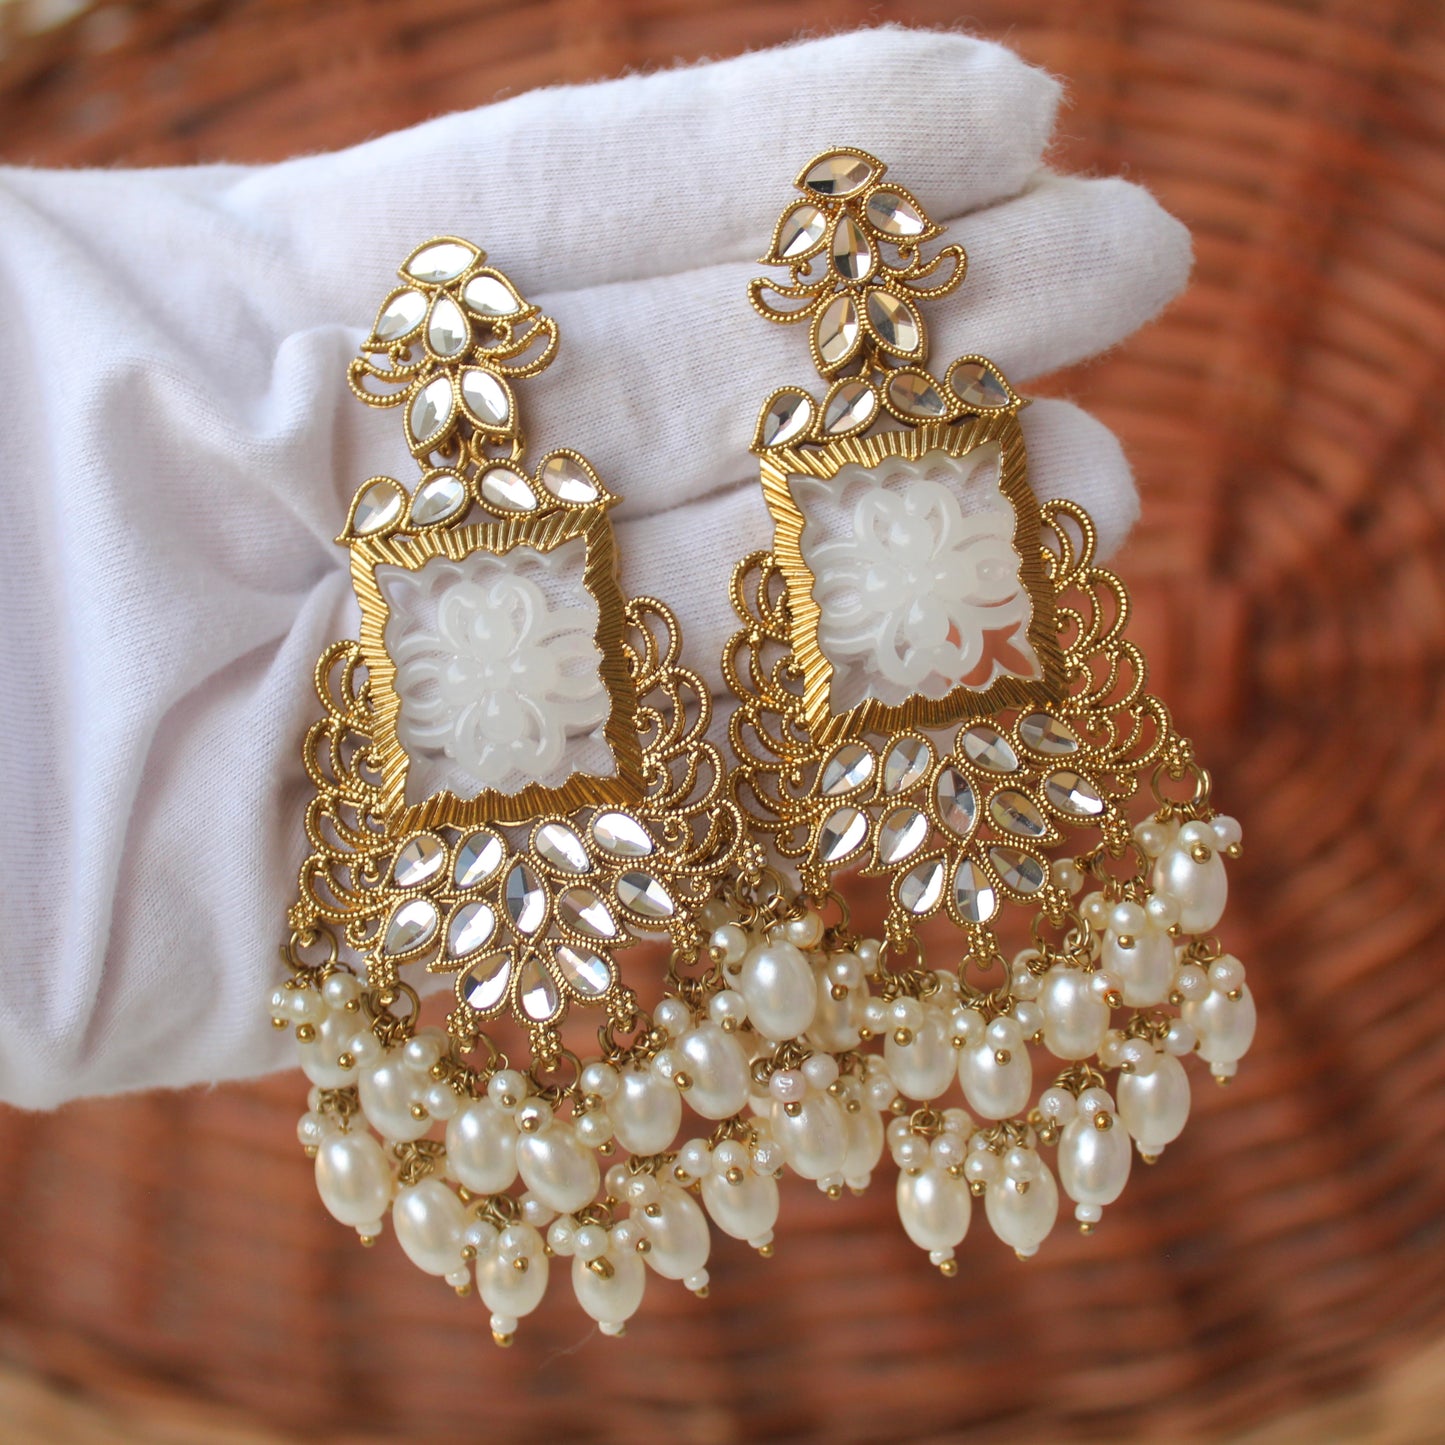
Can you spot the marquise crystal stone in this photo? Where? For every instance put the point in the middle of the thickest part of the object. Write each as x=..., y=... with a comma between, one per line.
x=843, y=831
x=1016, y=812
x=787, y=417
x=431, y=409
x=645, y=896
x=583, y=971
x=908, y=761
x=401, y=315
x=801, y=230
x=986, y=747
x=920, y=889
x=1017, y=870
x=508, y=490
x=439, y=497
x=537, y=992
x=568, y=481
x=837, y=329
x=444, y=261
x=484, y=984
x=411, y=926
x=957, y=806
x=973, y=896
x=1071, y=792
x=901, y=834
x=581, y=910
x=621, y=835
x=894, y=322
x=850, y=407
x=893, y=214
x=488, y=296
x=839, y=174
x=477, y=859
x=915, y=395
x=485, y=397
x=1045, y=734
x=472, y=925
x=418, y=859
x=975, y=385
x=525, y=898
x=852, y=255
x=378, y=506
x=558, y=845
x=447, y=332
x=850, y=767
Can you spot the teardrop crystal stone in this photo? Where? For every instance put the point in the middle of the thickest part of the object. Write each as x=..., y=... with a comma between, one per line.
x=472, y=925
x=537, y=993
x=850, y=407
x=894, y=322
x=377, y=507
x=447, y=331
x=444, y=261
x=401, y=315
x=485, y=397
x=852, y=255
x=801, y=230
x=957, y=807
x=843, y=831
x=1016, y=812
x=975, y=385
x=837, y=329
x=525, y=898
x=1071, y=792
x=488, y=296
x=477, y=859
x=582, y=970
x=439, y=497
x=1047, y=735
x=920, y=889
x=901, y=834
x=973, y=896
x=411, y=925
x=558, y=845
x=431, y=409
x=838, y=174
x=485, y=984
x=786, y=417
x=915, y=395
x=621, y=835
x=908, y=760
x=644, y=895
x=502, y=487
x=581, y=910
x=850, y=767
x=418, y=859
x=988, y=748
x=1017, y=870
x=893, y=214
x=566, y=479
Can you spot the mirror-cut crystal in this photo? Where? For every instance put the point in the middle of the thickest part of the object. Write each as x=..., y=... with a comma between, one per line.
x=447, y=332
x=645, y=896
x=915, y=395
x=837, y=329
x=558, y=845
x=986, y=747
x=852, y=255
x=502, y=487
x=418, y=859
x=894, y=322
x=850, y=767
x=581, y=910
x=621, y=835
x=582, y=970
x=488, y=296
x=377, y=507
x=401, y=315
x=1047, y=735
x=444, y=261
x=975, y=385
x=1071, y=792
x=801, y=230
x=922, y=886
x=485, y=397
x=850, y=407
x=1017, y=870
x=478, y=859
x=484, y=984
x=838, y=174
x=787, y=417
x=568, y=481
x=431, y=409
x=893, y=214
x=437, y=498
x=472, y=925
x=537, y=992
x=1016, y=812
x=843, y=831
x=908, y=761
x=525, y=898
x=411, y=925
x=975, y=898
x=901, y=834
x=957, y=806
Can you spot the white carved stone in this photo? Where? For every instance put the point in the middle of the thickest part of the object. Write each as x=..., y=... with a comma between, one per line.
x=916, y=577
x=498, y=671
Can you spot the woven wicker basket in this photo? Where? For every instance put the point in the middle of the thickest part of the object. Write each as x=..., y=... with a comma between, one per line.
x=1283, y=420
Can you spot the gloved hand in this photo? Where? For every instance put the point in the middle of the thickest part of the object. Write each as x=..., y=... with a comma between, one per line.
x=179, y=450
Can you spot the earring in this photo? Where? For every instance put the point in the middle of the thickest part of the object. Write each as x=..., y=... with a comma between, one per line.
x=934, y=686
x=512, y=782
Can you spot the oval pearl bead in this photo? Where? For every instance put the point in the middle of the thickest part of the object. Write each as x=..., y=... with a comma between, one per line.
x=1225, y=1025
x=745, y=1210
x=1200, y=889
x=482, y=1147
x=1023, y=1221
x=1144, y=971
x=865, y=1134
x=353, y=1178
x=1093, y=1162
x=995, y=1090
x=612, y=1300
x=815, y=1140
x=318, y=1057
x=429, y=1220
x=1075, y=1017
x=1154, y=1107
x=558, y=1168
x=717, y=1064
x=388, y=1091
x=781, y=992
x=507, y=1290
x=923, y=1068
x=678, y=1234
x=934, y=1208
x=646, y=1112
x=837, y=1022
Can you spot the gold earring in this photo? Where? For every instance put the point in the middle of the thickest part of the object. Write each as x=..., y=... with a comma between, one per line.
x=934, y=686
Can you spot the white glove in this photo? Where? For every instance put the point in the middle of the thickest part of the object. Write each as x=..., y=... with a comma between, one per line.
x=179, y=450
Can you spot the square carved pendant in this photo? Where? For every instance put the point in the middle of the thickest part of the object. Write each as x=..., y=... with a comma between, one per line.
x=497, y=671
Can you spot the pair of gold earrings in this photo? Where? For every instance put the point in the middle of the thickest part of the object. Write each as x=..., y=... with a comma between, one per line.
x=514, y=782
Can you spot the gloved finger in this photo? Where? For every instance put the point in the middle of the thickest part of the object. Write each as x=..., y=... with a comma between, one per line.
x=685, y=555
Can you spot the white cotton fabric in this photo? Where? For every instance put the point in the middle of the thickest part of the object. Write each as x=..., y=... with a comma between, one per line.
x=178, y=451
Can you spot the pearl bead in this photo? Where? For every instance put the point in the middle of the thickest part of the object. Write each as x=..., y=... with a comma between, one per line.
x=1058, y=1105
x=910, y=1152
x=726, y=1007
x=558, y=1168
x=934, y=1208
x=1095, y=1101
x=906, y=1013
x=429, y=1220
x=1029, y=1015
x=600, y=1079
x=728, y=944
x=922, y=1068
x=1152, y=838
x=365, y=1047
x=815, y=1139
x=507, y=1088
x=1199, y=887
x=388, y=1091
x=781, y=994
x=1226, y=830
x=805, y=931
x=968, y=1025
x=1023, y=1220
x=995, y=1090
x=562, y=1236
x=1191, y=982
x=1154, y=1107
x=673, y=1017
x=1093, y=1162
x=1145, y=969
x=1225, y=1026
x=981, y=1166
x=846, y=970
x=534, y=1117
x=589, y=1241
x=319, y=1056
x=678, y=1233
x=786, y=1085
x=506, y=1290
x=440, y=1101
x=482, y=1147
x=1162, y=911
x=1226, y=973
x=863, y=1130
x=422, y=1050
x=340, y=989
x=1075, y=1016
x=948, y=1151
x=1180, y=1039
x=718, y=1067
x=646, y=1112
x=695, y=1158
x=869, y=951
x=594, y=1128
x=820, y=1071
x=745, y=1209
x=1127, y=918
x=353, y=1177
x=310, y=1129
x=610, y=1297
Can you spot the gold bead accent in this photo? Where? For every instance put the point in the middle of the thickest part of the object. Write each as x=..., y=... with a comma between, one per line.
x=418, y=1111
x=1149, y=1158
x=1103, y=1121
x=792, y=1108
x=1126, y=940
x=607, y=1148
x=469, y=1252
x=716, y=952
x=1085, y=1227
x=683, y=1080
x=280, y=1024
x=839, y=992
x=653, y=1211
x=852, y=1106
x=955, y=1171
x=644, y=1246
x=438, y=1071
x=734, y=1175
x=306, y=1033
x=730, y=1025
x=977, y=1187
x=463, y=1290
x=529, y=1125
x=765, y=1251
x=502, y=1342
x=703, y=1292
x=522, y=1265
x=903, y=1036
x=367, y=1240
x=1001, y=1056
x=346, y=1061
x=1233, y=852
x=601, y=1267
x=949, y=1268
x=1224, y=1080
x=309, y=1150
x=1201, y=853
x=834, y=1191
x=899, y=1105
x=1236, y=994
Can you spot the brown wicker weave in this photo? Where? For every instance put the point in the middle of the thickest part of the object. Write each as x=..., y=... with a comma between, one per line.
x=1284, y=421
